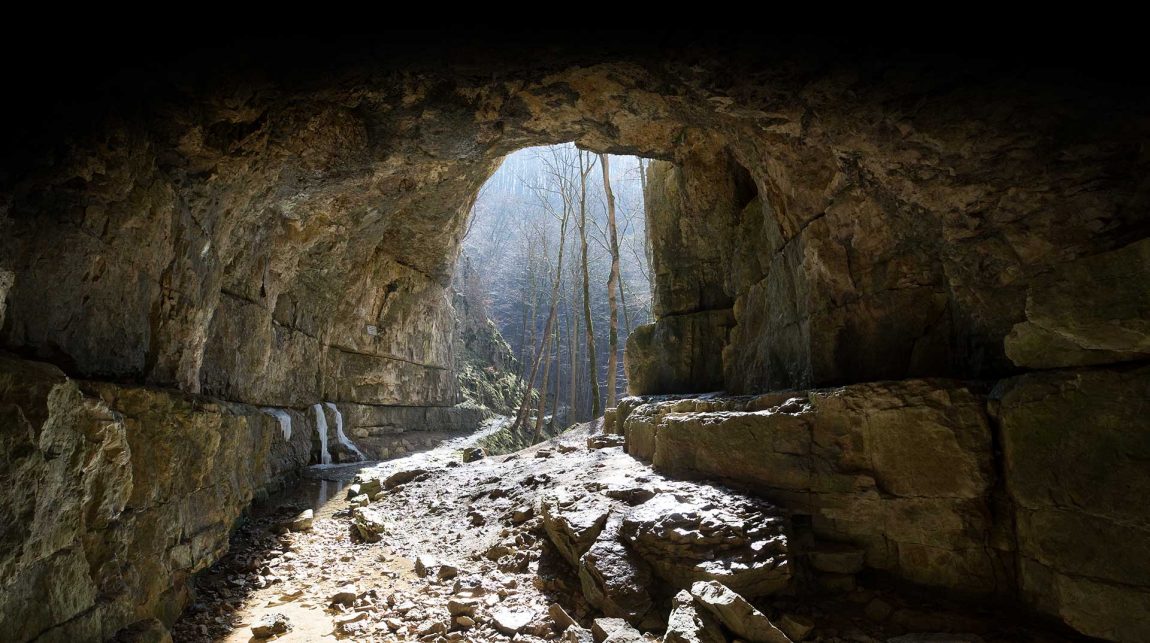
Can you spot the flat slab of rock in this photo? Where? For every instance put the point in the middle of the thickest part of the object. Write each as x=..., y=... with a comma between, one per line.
x=737, y=541
x=602, y=441
x=403, y=477
x=271, y=625
x=736, y=613
x=559, y=617
x=510, y=622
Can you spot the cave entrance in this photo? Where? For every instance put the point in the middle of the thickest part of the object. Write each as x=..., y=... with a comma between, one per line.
x=537, y=259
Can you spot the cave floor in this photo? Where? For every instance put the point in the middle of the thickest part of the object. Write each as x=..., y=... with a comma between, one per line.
x=476, y=527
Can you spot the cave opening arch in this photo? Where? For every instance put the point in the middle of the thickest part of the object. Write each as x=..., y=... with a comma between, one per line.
x=287, y=240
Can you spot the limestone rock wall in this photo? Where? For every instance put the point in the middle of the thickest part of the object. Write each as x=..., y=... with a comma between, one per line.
x=385, y=432
x=1024, y=491
x=484, y=362
x=955, y=237
x=1075, y=445
x=118, y=495
x=277, y=237
x=902, y=469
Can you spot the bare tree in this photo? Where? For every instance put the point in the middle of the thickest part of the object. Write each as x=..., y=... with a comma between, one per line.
x=612, y=283
x=585, y=170
x=559, y=184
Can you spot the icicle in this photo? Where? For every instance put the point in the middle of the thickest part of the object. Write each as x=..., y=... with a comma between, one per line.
x=343, y=439
x=321, y=426
x=284, y=420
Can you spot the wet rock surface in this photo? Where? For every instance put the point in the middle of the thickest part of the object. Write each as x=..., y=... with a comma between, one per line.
x=521, y=573
x=122, y=494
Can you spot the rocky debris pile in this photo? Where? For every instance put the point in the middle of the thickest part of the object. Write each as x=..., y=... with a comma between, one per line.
x=586, y=545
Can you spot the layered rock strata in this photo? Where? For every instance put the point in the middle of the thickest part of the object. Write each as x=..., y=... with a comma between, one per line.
x=119, y=494
x=1023, y=491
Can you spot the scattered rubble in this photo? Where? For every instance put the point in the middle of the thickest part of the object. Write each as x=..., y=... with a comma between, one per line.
x=584, y=545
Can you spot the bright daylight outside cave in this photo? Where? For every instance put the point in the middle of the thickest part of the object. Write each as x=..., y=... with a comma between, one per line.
x=689, y=338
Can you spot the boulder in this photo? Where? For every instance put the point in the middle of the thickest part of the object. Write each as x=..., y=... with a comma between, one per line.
x=270, y=625
x=572, y=524
x=446, y=572
x=464, y=622
x=362, y=500
x=461, y=607
x=560, y=617
x=472, y=454
x=303, y=522
x=687, y=624
x=369, y=524
x=796, y=627
x=618, y=582
x=736, y=613
x=345, y=596
x=1092, y=310
x=578, y=634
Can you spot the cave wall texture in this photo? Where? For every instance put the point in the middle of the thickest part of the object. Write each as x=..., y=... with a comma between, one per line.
x=280, y=235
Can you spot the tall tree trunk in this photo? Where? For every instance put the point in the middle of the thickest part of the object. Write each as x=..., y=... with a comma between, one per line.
x=589, y=326
x=612, y=283
x=623, y=305
x=523, y=344
x=556, y=364
x=542, y=408
x=572, y=353
x=648, y=244
x=547, y=328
